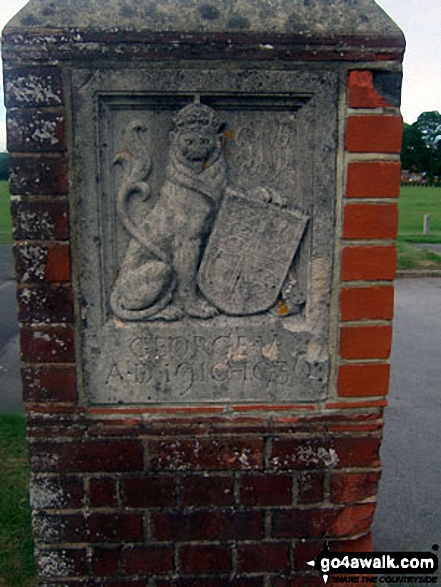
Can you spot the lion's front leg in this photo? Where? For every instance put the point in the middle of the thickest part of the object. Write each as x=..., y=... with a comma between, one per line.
x=185, y=261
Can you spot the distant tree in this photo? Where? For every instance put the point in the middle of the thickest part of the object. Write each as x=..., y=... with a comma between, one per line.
x=415, y=156
x=4, y=157
x=421, y=150
x=429, y=125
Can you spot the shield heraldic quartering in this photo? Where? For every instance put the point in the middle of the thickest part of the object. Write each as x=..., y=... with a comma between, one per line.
x=206, y=247
x=249, y=252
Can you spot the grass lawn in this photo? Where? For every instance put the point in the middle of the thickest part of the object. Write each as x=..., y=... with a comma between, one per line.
x=412, y=257
x=17, y=567
x=414, y=202
x=5, y=214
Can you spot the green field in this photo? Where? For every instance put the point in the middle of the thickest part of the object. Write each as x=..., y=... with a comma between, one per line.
x=414, y=202
x=17, y=568
x=5, y=214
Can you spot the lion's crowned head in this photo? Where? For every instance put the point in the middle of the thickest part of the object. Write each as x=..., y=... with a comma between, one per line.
x=196, y=140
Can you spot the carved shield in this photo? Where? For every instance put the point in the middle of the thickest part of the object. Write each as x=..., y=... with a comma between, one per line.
x=248, y=254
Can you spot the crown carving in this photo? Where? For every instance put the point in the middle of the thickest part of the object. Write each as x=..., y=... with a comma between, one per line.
x=197, y=117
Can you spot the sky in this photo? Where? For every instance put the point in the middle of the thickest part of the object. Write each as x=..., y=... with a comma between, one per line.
x=420, y=21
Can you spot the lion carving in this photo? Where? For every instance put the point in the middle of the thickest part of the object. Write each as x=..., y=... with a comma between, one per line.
x=157, y=278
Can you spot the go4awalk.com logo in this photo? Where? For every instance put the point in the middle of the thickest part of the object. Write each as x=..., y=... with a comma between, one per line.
x=399, y=568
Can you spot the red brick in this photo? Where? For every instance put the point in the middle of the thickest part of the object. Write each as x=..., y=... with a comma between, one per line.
x=266, y=490
x=305, y=551
x=306, y=453
x=30, y=87
x=47, y=344
x=109, y=583
x=218, y=525
x=363, y=380
x=213, y=490
x=370, y=221
x=357, y=451
x=148, y=559
x=301, y=523
x=374, y=427
x=102, y=492
x=323, y=453
x=105, y=562
x=226, y=581
x=39, y=218
x=353, y=487
x=263, y=557
x=361, y=91
x=274, y=407
x=352, y=520
x=310, y=487
x=367, y=303
x=374, y=134
x=365, y=342
x=72, y=491
x=49, y=384
x=321, y=523
x=115, y=527
x=370, y=263
x=73, y=561
x=94, y=582
x=206, y=454
x=42, y=175
x=345, y=405
x=58, y=493
x=37, y=263
x=109, y=456
x=206, y=558
x=58, y=263
x=362, y=544
x=45, y=304
x=297, y=581
x=146, y=492
x=373, y=179
x=53, y=528
x=36, y=130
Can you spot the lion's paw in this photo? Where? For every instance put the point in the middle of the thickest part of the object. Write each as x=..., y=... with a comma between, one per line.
x=170, y=313
x=200, y=309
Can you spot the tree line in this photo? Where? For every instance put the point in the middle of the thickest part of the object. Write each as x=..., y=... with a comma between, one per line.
x=421, y=150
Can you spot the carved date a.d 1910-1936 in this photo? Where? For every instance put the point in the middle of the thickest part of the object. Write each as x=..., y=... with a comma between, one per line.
x=206, y=247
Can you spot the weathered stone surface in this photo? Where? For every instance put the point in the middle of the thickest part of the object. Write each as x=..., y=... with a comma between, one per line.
x=321, y=18
x=211, y=240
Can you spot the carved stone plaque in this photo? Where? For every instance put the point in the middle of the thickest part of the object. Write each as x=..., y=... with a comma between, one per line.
x=206, y=209
x=248, y=254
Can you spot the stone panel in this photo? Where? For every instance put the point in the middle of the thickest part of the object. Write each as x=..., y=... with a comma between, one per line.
x=206, y=214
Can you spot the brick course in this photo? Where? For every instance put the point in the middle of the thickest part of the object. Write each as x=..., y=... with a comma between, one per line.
x=368, y=263
x=361, y=91
x=374, y=134
x=365, y=342
x=370, y=221
x=359, y=380
x=373, y=179
x=367, y=303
